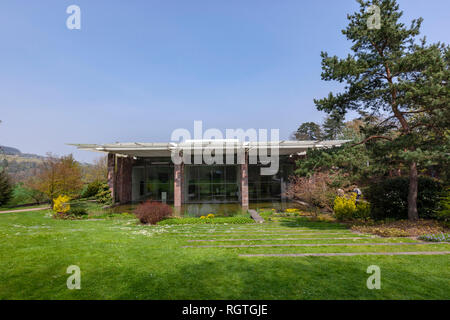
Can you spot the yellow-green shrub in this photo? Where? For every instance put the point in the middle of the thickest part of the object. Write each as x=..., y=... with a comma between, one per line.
x=61, y=204
x=345, y=208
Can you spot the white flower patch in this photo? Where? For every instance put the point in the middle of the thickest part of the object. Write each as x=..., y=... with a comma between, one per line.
x=143, y=232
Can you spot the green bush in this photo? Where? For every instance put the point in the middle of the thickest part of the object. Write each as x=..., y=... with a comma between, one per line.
x=92, y=189
x=78, y=212
x=104, y=194
x=389, y=198
x=443, y=212
x=22, y=195
x=217, y=220
x=6, y=188
x=362, y=210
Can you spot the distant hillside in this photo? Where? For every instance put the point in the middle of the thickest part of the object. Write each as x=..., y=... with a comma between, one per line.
x=19, y=165
x=10, y=151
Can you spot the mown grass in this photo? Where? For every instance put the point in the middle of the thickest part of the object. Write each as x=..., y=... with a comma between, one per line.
x=120, y=259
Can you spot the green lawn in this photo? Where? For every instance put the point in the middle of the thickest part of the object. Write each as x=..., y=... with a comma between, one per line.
x=120, y=259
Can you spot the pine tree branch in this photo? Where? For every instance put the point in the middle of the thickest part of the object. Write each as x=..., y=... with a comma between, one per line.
x=371, y=138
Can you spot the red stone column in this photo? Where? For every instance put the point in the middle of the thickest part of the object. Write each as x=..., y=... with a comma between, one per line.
x=244, y=184
x=178, y=187
x=112, y=174
x=123, y=179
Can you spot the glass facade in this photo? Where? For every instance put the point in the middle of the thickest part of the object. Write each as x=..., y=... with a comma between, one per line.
x=268, y=188
x=153, y=178
x=211, y=183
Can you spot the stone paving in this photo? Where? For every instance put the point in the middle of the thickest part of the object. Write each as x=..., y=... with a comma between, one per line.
x=324, y=239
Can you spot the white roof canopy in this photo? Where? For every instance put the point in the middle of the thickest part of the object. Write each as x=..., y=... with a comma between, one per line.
x=164, y=149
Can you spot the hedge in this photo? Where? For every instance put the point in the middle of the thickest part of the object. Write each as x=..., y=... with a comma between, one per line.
x=389, y=198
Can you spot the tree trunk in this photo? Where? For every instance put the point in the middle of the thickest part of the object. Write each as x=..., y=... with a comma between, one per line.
x=412, y=194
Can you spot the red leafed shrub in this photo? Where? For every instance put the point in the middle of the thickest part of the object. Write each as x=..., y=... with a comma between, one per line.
x=151, y=212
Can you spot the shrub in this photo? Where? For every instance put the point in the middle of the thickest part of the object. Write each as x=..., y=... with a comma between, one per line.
x=92, y=189
x=348, y=208
x=77, y=212
x=443, y=212
x=362, y=210
x=218, y=220
x=23, y=195
x=151, y=212
x=103, y=195
x=315, y=190
x=61, y=204
x=6, y=188
x=345, y=208
x=389, y=198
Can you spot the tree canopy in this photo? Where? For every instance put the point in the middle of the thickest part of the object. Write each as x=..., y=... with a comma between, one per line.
x=404, y=81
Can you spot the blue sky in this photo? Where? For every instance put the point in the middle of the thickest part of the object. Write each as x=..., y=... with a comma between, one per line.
x=137, y=70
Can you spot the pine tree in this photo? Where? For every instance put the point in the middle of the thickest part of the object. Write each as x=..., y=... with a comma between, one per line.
x=5, y=188
x=308, y=131
x=333, y=126
x=391, y=73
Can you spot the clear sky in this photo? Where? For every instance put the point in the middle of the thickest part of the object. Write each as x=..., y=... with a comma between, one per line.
x=137, y=70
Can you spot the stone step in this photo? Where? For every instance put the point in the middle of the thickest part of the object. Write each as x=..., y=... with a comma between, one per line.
x=347, y=254
x=278, y=239
x=310, y=245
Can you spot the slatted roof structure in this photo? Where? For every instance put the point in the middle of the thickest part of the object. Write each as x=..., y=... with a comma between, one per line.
x=165, y=149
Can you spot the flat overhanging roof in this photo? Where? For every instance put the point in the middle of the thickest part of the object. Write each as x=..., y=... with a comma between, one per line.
x=164, y=149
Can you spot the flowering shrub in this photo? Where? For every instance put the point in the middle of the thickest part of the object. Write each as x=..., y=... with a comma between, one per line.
x=210, y=216
x=151, y=212
x=292, y=210
x=345, y=208
x=442, y=237
x=61, y=204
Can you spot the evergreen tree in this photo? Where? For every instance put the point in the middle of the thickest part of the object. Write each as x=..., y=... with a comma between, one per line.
x=390, y=73
x=5, y=188
x=333, y=126
x=308, y=131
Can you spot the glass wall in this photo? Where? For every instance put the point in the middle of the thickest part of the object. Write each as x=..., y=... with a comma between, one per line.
x=204, y=183
x=153, y=179
x=268, y=188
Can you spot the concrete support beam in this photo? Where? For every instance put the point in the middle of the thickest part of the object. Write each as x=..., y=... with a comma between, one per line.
x=244, y=184
x=178, y=187
x=112, y=174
